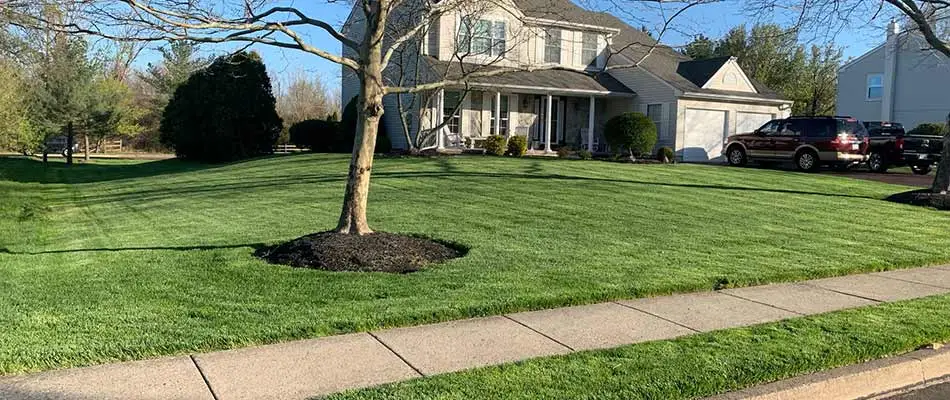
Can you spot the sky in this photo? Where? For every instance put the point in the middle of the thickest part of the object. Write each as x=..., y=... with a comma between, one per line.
x=711, y=20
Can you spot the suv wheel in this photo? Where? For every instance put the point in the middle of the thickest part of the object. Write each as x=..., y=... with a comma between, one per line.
x=807, y=161
x=736, y=156
x=876, y=163
x=921, y=169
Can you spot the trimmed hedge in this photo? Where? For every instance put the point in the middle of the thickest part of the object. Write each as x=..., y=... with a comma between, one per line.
x=316, y=135
x=633, y=132
x=517, y=146
x=496, y=145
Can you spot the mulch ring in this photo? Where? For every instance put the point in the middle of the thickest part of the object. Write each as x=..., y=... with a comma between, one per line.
x=924, y=198
x=379, y=252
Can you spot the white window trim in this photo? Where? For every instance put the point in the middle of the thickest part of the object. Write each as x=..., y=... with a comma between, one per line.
x=867, y=87
x=487, y=57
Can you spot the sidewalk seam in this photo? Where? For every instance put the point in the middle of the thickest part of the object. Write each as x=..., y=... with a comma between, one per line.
x=762, y=303
x=878, y=274
x=203, y=376
x=846, y=293
x=391, y=350
x=665, y=319
x=539, y=332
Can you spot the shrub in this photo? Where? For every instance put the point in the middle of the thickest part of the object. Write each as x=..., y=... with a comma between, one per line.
x=316, y=135
x=929, y=129
x=585, y=154
x=517, y=146
x=665, y=154
x=495, y=145
x=633, y=132
x=224, y=112
x=564, y=152
x=347, y=132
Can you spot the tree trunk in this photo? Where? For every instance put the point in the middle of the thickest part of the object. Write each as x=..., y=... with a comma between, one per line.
x=69, y=143
x=370, y=110
x=942, y=179
x=85, y=138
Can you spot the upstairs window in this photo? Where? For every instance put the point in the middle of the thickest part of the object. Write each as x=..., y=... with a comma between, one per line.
x=589, y=49
x=875, y=88
x=482, y=37
x=552, y=46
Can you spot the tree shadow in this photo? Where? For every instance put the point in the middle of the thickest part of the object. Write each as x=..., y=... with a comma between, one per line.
x=255, y=246
x=30, y=170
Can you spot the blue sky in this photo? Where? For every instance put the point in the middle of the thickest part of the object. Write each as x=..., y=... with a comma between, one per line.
x=712, y=20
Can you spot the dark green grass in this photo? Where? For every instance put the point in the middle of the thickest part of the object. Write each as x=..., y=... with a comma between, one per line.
x=127, y=260
x=696, y=366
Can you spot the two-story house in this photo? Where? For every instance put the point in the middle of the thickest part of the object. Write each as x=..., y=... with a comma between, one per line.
x=586, y=67
x=903, y=80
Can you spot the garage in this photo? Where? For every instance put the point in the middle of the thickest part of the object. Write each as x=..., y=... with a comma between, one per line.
x=704, y=134
x=747, y=122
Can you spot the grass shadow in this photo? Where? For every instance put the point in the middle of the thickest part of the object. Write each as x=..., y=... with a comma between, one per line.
x=255, y=246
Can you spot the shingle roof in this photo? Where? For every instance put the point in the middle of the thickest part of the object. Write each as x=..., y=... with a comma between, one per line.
x=548, y=78
x=631, y=44
x=700, y=71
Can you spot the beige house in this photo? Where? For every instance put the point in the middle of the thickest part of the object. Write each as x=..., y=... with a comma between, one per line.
x=555, y=73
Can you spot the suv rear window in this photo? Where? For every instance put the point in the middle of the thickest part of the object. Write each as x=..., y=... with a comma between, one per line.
x=886, y=131
x=852, y=127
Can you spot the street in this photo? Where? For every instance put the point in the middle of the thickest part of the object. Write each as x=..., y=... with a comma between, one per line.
x=936, y=392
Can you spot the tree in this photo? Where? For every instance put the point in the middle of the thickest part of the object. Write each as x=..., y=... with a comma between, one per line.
x=304, y=99
x=631, y=131
x=62, y=91
x=817, y=85
x=16, y=132
x=700, y=48
x=223, y=113
x=156, y=85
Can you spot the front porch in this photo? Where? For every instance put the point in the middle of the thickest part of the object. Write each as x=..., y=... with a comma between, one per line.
x=549, y=119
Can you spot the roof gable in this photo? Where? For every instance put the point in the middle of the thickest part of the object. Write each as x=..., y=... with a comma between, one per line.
x=700, y=71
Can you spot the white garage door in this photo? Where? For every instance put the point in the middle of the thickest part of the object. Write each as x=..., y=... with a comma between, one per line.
x=705, y=130
x=749, y=122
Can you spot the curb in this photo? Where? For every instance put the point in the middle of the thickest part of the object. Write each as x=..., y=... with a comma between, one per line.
x=861, y=381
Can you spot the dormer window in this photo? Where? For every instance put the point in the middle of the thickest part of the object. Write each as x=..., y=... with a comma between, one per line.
x=552, y=45
x=589, y=49
x=482, y=37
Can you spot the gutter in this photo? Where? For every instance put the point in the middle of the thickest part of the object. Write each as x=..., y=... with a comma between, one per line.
x=711, y=96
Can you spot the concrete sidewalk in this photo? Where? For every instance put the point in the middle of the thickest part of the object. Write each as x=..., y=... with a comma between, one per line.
x=307, y=368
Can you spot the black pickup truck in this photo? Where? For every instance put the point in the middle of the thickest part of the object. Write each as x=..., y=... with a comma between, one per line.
x=891, y=146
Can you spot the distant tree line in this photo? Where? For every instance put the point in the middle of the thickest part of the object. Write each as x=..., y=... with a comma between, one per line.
x=773, y=56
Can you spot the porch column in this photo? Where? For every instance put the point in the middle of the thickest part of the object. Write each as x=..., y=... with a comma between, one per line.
x=497, y=128
x=590, y=126
x=440, y=117
x=547, y=126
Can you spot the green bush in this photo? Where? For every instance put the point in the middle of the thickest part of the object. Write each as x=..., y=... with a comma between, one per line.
x=633, y=132
x=495, y=145
x=316, y=135
x=347, y=134
x=929, y=129
x=585, y=154
x=517, y=146
x=564, y=152
x=665, y=154
x=224, y=112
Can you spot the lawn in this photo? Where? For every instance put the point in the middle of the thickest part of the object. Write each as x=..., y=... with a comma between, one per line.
x=129, y=260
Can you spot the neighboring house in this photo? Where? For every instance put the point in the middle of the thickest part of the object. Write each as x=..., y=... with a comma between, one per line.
x=902, y=80
x=588, y=75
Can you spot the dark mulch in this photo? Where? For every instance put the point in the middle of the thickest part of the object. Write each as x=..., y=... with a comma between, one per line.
x=922, y=197
x=380, y=252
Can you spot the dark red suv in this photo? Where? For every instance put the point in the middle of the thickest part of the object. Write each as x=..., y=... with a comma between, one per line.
x=808, y=141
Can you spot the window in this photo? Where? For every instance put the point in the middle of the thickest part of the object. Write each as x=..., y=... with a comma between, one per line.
x=655, y=113
x=875, y=86
x=482, y=37
x=770, y=128
x=821, y=128
x=450, y=102
x=552, y=46
x=503, y=123
x=589, y=49
x=792, y=127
